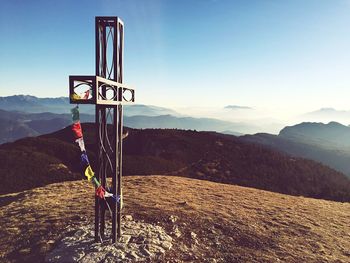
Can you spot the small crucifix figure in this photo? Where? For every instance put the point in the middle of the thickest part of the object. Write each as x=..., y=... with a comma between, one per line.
x=108, y=93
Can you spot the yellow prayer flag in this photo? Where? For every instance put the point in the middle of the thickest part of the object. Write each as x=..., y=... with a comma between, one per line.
x=89, y=173
x=75, y=96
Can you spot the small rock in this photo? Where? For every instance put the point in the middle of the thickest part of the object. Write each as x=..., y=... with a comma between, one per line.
x=133, y=255
x=138, y=240
x=125, y=239
x=166, y=245
x=69, y=239
x=172, y=218
x=120, y=246
x=164, y=237
x=117, y=253
x=183, y=247
x=80, y=233
x=145, y=252
x=153, y=241
x=156, y=249
x=128, y=218
x=96, y=247
x=193, y=235
x=50, y=242
x=176, y=232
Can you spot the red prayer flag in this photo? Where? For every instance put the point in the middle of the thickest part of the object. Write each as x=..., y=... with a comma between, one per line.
x=86, y=96
x=100, y=192
x=76, y=128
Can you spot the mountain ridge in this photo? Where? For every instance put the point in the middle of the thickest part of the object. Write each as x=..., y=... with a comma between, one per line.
x=202, y=155
x=18, y=124
x=325, y=143
x=326, y=134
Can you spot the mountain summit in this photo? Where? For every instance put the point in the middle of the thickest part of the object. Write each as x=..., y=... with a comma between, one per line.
x=331, y=134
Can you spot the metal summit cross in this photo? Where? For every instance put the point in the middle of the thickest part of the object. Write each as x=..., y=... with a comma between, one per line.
x=108, y=93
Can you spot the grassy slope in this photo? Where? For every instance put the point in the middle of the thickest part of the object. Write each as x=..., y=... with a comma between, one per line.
x=53, y=158
x=232, y=223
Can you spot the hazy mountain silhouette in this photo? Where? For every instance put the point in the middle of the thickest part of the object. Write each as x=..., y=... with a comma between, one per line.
x=326, y=115
x=148, y=110
x=27, y=103
x=186, y=123
x=332, y=135
x=43, y=110
x=325, y=143
x=18, y=125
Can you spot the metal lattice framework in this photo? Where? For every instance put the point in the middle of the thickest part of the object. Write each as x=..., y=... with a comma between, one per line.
x=107, y=91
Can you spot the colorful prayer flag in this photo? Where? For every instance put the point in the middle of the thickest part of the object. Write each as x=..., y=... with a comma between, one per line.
x=100, y=192
x=89, y=173
x=84, y=160
x=86, y=95
x=95, y=181
x=75, y=113
x=75, y=96
x=76, y=128
x=80, y=142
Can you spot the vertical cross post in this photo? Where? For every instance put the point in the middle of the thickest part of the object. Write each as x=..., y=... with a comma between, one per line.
x=108, y=93
x=109, y=64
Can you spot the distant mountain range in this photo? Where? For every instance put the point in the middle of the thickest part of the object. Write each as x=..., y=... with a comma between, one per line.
x=326, y=115
x=188, y=123
x=61, y=105
x=325, y=143
x=33, y=162
x=27, y=103
x=24, y=115
x=16, y=125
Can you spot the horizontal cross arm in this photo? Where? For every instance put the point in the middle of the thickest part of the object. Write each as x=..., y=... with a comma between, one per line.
x=98, y=90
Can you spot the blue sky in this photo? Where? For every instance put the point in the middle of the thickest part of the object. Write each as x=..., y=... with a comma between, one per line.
x=282, y=55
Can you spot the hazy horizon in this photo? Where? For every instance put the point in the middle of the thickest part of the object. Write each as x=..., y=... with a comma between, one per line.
x=251, y=119
x=280, y=58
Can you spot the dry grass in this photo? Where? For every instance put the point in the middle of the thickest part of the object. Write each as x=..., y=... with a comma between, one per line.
x=232, y=223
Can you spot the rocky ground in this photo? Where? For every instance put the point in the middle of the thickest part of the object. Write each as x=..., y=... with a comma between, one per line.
x=140, y=241
x=200, y=221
